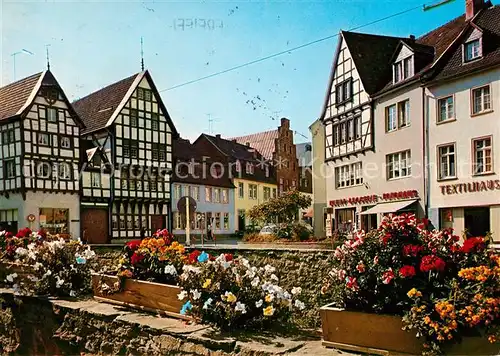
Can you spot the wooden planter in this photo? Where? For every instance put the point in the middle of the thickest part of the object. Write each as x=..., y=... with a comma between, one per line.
x=382, y=335
x=149, y=296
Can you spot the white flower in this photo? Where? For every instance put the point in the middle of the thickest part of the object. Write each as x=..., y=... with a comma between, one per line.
x=48, y=273
x=31, y=246
x=296, y=290
x=244, y=262
x=21, y=252
x=188, y=268
x=274, y=277
x=207, y=303
x=170, y=269
x=88, y=253
x=196, y=294
x=259, y=303
x=72, y=293
x=240, y=307
x=255, y=282
x=300, y=305
x=33, y=278
x=249, y=273
x=10, y=278
x=182, y=295
x=59, y=282
x=37, y=266
x=32, y=255
x=269, y=269
x=287, y=295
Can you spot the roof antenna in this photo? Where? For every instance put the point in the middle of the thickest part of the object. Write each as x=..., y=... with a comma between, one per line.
x=142, y=55
x=48, y=57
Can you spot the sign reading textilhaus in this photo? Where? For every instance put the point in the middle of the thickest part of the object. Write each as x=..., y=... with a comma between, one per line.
x=473, y=187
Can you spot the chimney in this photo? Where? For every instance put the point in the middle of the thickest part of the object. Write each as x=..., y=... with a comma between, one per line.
x=285, y=122
x=472, y=7
x=217, y=136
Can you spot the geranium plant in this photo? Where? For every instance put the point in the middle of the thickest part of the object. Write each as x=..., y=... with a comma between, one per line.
x=229, y=293
x=402, y=268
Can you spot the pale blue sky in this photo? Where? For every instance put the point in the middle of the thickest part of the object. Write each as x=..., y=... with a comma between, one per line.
x=93, y=44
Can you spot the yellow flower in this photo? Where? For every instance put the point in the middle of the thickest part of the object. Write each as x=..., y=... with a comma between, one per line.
x=492, y=339
x=230, y=297
x=268, y=311
x=207, y=283
x=414, y=293
x=269, y=298
x=427, y=320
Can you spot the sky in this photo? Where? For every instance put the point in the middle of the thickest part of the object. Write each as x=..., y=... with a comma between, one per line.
x=95, y=43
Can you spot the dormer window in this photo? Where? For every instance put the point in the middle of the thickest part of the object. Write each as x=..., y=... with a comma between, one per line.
x=249, y=168
x=403, y=69
x=472, y=50
x=343, y=92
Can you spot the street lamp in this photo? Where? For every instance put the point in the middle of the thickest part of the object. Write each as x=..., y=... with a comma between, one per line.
x=25, y=51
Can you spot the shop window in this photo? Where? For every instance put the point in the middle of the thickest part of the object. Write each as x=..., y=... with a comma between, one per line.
x=8, y=220
x=345, y=220
x=477, y=221
x=446, y=218
x=54, y=221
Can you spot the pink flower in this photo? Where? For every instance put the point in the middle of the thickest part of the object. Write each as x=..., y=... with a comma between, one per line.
x=342, y=274
x=360, y=267
x=375, y=260
x=352, y=283
x=387, y=276
x=338, y=253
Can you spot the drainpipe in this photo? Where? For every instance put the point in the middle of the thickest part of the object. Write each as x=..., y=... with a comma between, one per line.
x=426, y=171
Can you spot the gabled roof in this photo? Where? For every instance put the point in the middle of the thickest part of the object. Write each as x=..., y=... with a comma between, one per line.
x=233, y=149
x=15, y=97
x=99, y=109
x=263, y=142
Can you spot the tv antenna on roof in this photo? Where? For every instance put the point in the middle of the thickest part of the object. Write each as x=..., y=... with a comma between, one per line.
x=142, y=54
x=211, y=124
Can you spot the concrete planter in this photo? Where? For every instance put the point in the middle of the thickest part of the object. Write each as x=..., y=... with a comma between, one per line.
x=149, y=296
x=382, y=335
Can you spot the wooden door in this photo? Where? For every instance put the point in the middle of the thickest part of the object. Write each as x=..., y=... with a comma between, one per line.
x=95, y=226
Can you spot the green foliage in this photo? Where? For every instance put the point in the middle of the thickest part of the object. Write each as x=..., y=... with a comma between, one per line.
x=283, y=208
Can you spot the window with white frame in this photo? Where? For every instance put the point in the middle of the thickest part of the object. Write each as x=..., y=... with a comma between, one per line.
x=267, y=193
x=8, y=136
x=208, y=194
x=43, y=139
x=241, y=190
x=403, y=69
x=399, y=164
x=95, y=179
x=65, y=142
x=10, y=168
x=252, y=191
x=195, y=193
x=217, y=195
x=481, y=99
x=225, y=196
x=482, y=159
x=238, y=166
x=404, y=113
x=178, y=191
x=343, y=91
x=391, y=118
x=446, y=109
x=349, y=175
x=43, y=170
x=217, y=220
x=52, y=114
x=249, y=168
x=226, y=221
x=347, y=131
x=472, y=50
x=64, y=171
x=447, y=159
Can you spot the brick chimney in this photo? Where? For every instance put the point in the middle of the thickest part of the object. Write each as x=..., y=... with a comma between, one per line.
x=472, y=7
x=285, y=122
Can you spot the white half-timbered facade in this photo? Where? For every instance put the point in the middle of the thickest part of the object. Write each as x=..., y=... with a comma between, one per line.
x=39, y=173
x=129, y=125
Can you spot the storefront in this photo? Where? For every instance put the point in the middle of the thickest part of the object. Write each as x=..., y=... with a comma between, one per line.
x=471, y=209
x=366, y=212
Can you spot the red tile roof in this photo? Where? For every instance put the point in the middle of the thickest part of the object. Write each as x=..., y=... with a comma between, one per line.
x=97, y=108
x=15, y=95
x=263, y=142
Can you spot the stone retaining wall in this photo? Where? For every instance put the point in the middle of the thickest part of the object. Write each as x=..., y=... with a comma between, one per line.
x=296, y=268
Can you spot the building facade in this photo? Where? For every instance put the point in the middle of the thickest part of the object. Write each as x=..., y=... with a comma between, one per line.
x=128, y=122
x=318, y=175
x=304, y=157
x=39, y=157
x=197, y=175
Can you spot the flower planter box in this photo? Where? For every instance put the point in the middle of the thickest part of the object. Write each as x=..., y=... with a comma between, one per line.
x=149, y=296
x=382, y=335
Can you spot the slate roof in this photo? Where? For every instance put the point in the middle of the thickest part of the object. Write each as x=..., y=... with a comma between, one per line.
x=263, y=142
x=15, y=95
x=304, y=154
x=234, y=149
x=184, y=151
x=97, y=108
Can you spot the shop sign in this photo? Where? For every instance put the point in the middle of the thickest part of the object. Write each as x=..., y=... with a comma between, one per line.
x=373, y=199
x=460, y=188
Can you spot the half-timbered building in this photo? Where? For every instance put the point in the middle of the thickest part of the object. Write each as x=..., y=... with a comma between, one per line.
x=130, y=126
x=39, y=157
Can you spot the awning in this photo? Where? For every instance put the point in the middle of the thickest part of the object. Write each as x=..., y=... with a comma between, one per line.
x=388, y=207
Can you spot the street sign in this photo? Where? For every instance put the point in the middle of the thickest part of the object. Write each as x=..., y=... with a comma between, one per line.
x=181, y=204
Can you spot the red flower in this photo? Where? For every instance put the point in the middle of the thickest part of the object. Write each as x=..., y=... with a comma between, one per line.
x=360, y=267
x=352, y=283
x=432, y=263
x=473, y=244
x=411, y=250
x=228, y=256
x=136, y=258
x=42, y=233
x=407, y=271
x=193, y=256
x=387, y=276
x=133, y=245
x=23, y=232
x=386, y=238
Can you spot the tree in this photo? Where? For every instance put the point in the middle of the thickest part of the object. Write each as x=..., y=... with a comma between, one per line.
x=284, y=208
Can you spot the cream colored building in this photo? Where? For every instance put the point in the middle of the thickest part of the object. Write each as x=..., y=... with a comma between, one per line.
x=319, y=198
x=464, y=174
x=249, y=193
